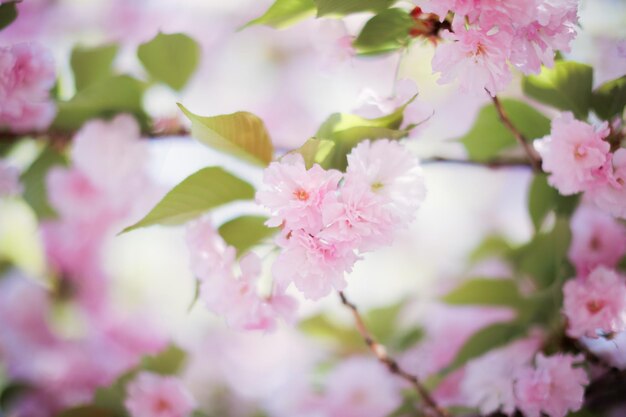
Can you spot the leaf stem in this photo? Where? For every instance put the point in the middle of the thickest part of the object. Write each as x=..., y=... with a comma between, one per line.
x=381, y=354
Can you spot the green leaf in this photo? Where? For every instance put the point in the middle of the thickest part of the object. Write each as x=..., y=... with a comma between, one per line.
x=284, y=13
x=382, y=321
x=324, y=328
x=11, y=393
x=567, y=86
x=491, y=246
x=609, y=99
x=385, y=32
x=245, y=232
x=491, y=337
x=544, y=199
x=105, y=98
x=344, y=7
x=488, y=292
x=168, y=362
x=34, y=181
x=8, y=14
x=347, y=130
x=206, y=189
x=316, y=151
x=408, y=339
x=88, y=411
x=170, y=58
x=90, y=65
x=488, y=136
x=241, y=134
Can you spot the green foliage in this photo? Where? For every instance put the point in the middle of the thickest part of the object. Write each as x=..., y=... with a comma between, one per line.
x=347, y=130
x=324, y=328
x=170, y=58
x=284, y=13
x=408, y=338
x=11, y=393
x=385, y=32
x=241, y=134
x=544, y=199
x=167, y=362
x=104, y=98
x=567, y=86
x=34, y=181
x=205, y=189
x=491, y=246
x=609, y=99
x=246, y=232
x=491, y=337
x=316, y=151
x=488, y=136
x=88, y=411
x=345, y=7
x=91, y=65
x=8, y=14
x=488, y=292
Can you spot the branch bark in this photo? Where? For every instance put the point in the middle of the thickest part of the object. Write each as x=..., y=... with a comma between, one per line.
x=381, y=354
x=533, y=157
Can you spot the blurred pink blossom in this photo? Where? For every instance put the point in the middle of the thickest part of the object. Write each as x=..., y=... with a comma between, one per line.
x=9, y=179
x=151, y=395
x=611, y=197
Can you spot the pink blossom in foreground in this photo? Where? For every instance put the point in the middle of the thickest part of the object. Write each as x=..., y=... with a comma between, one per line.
x=489, y=380
x=595, y=304
x=597, y=239
x=360, y=387
x=9, y=179
x=393, y=173
x=476, y=57
x=575, y=155
x=235, y=298
x=294, y=194
x=554, y=387
x=26, y=77
x=316, y=267
x=611, y=197
x=150, y=395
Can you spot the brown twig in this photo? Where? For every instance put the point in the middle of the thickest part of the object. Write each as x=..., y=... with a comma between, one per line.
x=496, y=163
x=533, y=157
x=381, y=354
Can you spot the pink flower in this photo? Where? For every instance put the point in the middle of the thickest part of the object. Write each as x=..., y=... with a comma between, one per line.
x=236, y=299
x=150, y=395
x=595, y=304
x=575, y=155
x=392, y=173
x=334, y=43
x=597, y=239
x=553, y=387
x=294, y=195
x=315, y=266
x=476, y=57
x=9, y=180
x=442, y=7
x=488, y=381
x=611, y=196
x=26, y=77
x=360, y=387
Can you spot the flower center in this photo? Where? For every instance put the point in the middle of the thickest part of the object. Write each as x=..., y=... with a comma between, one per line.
x=595, y=243
x=161, y=405
x=301, y=194
x=594, y=306
x=580, y=152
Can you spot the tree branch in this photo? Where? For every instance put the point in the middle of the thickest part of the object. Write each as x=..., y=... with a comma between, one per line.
x=496, y=163
x=381, y=354
x=533, y=157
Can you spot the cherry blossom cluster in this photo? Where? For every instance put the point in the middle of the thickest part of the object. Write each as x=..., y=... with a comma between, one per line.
x=328, y=218
x=488, y=36
x=26, y=76
x=152, y=395
x=515, y=377
x=578, y=158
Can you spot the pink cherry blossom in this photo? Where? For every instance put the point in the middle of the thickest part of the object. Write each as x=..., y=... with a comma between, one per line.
x=595, y=304
x=294, y=195
x=611, y=196
x=597, y=239
x=554, y=387
x=361, y=387
x=393, y=173
x=575, y=155
x=150, y=395
x=315, y=266
x=26, y=77
x=9, y=179
x=489, y=380
x=476, y=57
x=333, y=43
x=236, y=299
